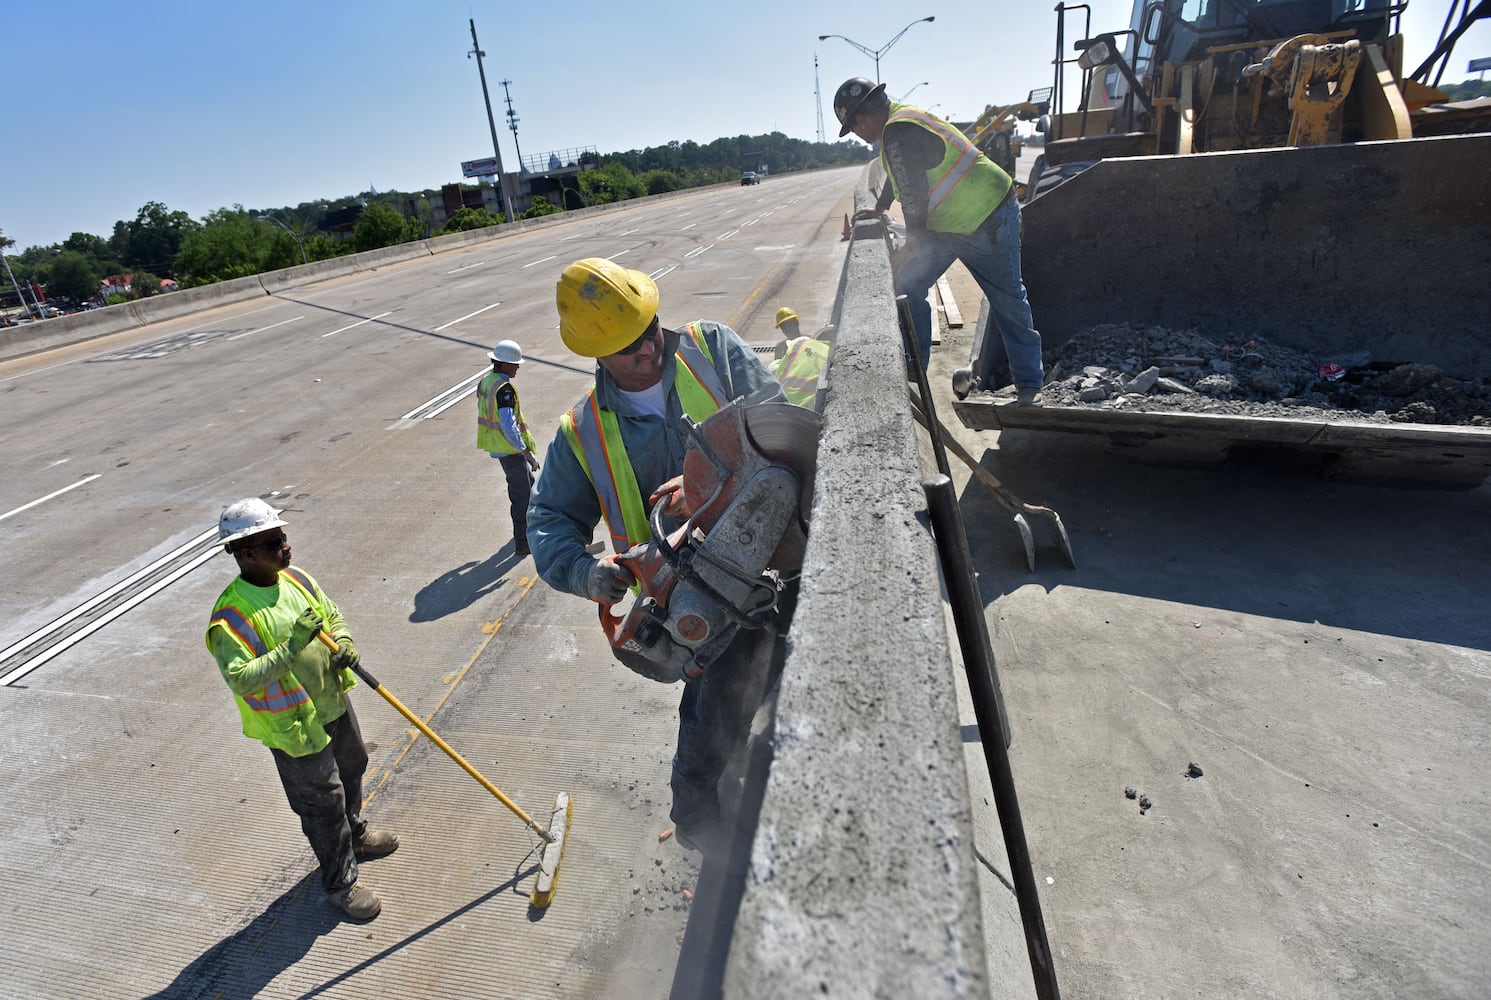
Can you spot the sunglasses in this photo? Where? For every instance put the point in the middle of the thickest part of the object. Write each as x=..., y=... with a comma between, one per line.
x=272, y=544
x=647, y=335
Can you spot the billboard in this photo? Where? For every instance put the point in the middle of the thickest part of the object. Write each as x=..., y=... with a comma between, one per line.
x=486, y=167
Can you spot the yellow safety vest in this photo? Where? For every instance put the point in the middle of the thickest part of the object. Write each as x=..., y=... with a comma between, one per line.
x=594, y=435
x=489, y=436
x=965, y=188
x=282, y=715
x=800, y=369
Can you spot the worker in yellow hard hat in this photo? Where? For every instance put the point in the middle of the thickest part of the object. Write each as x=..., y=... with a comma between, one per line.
x=621, y=449
x=502, y=433
x=787, y=322
x=958, y=205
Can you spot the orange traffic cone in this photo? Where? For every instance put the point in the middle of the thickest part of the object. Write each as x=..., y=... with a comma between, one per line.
x=848, y=233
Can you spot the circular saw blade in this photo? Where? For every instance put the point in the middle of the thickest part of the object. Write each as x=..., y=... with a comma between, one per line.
x=787, y=435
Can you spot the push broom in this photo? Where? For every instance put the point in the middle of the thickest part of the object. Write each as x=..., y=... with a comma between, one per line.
x=553, y=836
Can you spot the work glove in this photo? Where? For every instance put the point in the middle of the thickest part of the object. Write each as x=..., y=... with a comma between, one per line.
x=345, y=658
x=607, y=582
x=303, y=632
x=532, y=460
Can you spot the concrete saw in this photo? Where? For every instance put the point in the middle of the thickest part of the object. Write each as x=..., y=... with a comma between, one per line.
x=748, y=485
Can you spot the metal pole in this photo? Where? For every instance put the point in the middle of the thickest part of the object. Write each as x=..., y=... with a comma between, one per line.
x=507, y=201
x=512, y=122
x=19, y=294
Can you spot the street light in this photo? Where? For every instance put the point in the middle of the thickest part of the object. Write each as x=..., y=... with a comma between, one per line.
x=877, y=53
x=908, y=93
x=293, y=234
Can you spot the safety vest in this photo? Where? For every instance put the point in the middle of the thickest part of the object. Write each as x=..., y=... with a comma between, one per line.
x=962, y=190
x=594, y=435
x=489, y=436
x=800, y=368
x=282, y=715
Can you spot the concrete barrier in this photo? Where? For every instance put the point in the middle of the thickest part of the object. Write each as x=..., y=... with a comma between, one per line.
x=863, y=880
x=47, y=334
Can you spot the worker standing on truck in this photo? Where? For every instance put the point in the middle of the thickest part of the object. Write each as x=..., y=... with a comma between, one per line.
x=292, y=696
x=958, y=205
x=623, y=441
x=502, y=433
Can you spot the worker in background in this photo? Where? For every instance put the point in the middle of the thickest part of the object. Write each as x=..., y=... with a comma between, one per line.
x=622, y=442
x=502, y=433
x=787, y=323
x=292, y=696
x=957, y=205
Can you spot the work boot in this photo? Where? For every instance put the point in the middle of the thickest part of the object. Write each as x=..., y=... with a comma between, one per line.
x=357, y=902
x=1028, y=395
x=375, y=844
x=520, y=547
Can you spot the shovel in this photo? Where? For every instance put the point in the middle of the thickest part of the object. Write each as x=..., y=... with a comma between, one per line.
x=1012, y=503
x=553, y=836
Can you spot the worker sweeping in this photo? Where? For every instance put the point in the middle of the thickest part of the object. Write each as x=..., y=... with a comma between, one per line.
x=619, y=450
x=958, y=205
x=291, y=693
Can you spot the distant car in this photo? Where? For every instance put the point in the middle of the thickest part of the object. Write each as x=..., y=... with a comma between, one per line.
x=749, y=177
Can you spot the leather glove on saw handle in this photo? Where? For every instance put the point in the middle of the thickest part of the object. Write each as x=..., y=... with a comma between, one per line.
x=607, y=582
x=304, y=630
x=345, y=658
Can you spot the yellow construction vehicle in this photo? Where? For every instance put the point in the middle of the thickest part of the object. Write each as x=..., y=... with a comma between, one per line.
x=1257, y=168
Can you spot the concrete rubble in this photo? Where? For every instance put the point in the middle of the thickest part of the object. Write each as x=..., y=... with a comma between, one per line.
x=1121, y=366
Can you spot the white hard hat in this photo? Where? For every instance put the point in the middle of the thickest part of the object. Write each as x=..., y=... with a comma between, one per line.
x=508, y=352
x=246, y=517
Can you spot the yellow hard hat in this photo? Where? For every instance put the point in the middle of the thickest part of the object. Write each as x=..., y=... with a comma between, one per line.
x=783, y=315
x=603, y=306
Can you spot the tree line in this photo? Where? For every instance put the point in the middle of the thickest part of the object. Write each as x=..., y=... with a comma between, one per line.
x=159, y=244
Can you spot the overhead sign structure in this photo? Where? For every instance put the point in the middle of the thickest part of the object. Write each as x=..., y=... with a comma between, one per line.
x=1479, y=65
x=485, y=167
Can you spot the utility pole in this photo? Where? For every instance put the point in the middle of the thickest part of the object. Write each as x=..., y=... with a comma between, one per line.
x=19, y=294
x=507, y=201
x=512, y=122
x=817, y=97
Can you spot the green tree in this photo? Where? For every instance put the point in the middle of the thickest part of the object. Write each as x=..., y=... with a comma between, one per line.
x=73, y=275
x=468, y=218
x=541, y=206
x=152, y=241
x=143, y=285
x=661, y=181
x=609, y=183
x=382, y=226
x=231, y=243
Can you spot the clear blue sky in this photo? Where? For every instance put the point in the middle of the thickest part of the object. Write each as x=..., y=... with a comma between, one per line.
x=270, y=103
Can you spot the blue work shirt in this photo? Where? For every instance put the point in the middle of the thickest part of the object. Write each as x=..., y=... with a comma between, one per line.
x=563, y=511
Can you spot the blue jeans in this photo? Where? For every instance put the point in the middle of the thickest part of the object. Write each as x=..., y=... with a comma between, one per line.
x=992, y=255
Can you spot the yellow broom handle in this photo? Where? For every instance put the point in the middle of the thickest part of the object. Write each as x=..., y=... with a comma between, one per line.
x=435, y=739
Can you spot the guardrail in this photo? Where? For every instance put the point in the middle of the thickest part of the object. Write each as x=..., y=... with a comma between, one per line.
x=862, y=878
x=45, y=335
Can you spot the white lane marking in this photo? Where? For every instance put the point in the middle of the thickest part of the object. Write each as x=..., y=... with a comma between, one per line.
x=655, y=275
x=95, y=601
x=727, y=234
x=58, y=493
x=94, y=626
x=100, y=354
x=574, y=237
x=271, y=326
x=455, y=388
x=750, y=223
x=697, y=251
x=358, y=323
x=453, y=322
x=629, y=232
x=620, y=252
x=465, y=266
x=691, y=225
x=542, y=260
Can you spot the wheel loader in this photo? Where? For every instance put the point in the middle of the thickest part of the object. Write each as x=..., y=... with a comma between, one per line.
x=1249, y=169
